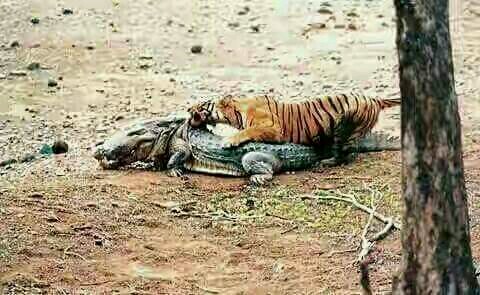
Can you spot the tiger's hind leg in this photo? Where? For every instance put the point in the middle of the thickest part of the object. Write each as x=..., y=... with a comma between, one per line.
x=261, y=167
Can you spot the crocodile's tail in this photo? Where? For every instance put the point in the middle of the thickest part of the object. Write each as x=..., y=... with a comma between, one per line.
x=376, y=142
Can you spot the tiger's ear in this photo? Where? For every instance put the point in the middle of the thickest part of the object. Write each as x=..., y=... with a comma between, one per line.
x=226, y=101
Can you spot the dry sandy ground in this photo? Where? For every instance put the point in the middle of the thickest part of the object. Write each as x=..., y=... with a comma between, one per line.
x=70, y=228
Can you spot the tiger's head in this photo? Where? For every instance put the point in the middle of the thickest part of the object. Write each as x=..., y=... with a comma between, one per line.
x=214, y=111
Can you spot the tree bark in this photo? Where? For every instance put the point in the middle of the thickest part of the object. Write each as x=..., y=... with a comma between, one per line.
x=435, y=235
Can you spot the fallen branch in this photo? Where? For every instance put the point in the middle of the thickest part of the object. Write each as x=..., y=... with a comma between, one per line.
x=366, y=245
x=289, y=229
x=215, y=215
x=353, y=201
x=207, y=290
x=96, y=283
x=66, y=252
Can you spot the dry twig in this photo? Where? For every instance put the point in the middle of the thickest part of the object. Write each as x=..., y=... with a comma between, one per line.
x=353, y=201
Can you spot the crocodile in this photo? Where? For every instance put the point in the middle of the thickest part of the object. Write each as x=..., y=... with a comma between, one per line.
x=169, y=143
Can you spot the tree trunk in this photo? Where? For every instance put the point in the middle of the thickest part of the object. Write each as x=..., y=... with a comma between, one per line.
x=436, y=239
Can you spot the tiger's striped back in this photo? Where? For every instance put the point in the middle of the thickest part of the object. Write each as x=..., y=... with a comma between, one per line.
x=315, y=120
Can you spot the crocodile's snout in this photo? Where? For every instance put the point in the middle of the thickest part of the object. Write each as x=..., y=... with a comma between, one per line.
x=103, y=158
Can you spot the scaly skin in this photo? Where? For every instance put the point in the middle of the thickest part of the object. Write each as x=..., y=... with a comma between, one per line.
x=180, y=147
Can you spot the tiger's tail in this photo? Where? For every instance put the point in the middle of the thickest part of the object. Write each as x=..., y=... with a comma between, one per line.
x=390, y=102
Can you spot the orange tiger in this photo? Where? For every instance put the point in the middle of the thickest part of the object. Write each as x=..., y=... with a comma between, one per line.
x=329, y=120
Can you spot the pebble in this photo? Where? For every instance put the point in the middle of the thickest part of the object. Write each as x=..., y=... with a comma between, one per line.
x=255, y=28
x=244, y=11
x=352, y=14
x=27, y=158
x=33, y=66
x=325, y=10
x=7, y=162
x=90, y=47
x=196, y=49
x=14, y=44
x=52, y=83
x=67, y=11
x=18, y=73
x=352, y=26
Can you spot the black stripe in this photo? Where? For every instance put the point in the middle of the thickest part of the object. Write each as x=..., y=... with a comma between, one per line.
x=330, y=116
x=307, y=127
x=239, y=121
x=290, y=115
x=330, y=100
x=270, y=109
x=340, y=103
x=346, y=101
x=321, y=117
x=299, y=122
x=324, y=132
x=228, y=120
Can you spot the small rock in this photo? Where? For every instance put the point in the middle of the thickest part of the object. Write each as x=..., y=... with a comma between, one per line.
x=52, y=218
x=352, y=14
x=59, y=147
x=27, y=158
x=18, y=73
x=7, y=162
x=270, y=48
x=67, y=11
x=250, y=204
x=33, y=66
x=325, y=10
x=52, y=83
x=234, y=25
x=244, y=11
x=339, y=26
x=144, y=66
x=14, y=44
x=255, y=28
x=149, y=247
x=35, y=20
x=119, y=117
x=90, y=47
x=352, y=26
x=196, y=49
x=36, y=195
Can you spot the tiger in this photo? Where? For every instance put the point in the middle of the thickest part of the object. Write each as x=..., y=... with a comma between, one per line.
x=332, y=120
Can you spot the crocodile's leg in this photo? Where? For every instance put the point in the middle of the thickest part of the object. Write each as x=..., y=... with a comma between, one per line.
x=176, y=162
x=260, y=166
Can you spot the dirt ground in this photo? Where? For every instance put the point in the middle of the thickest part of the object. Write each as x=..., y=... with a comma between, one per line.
x=77, y=70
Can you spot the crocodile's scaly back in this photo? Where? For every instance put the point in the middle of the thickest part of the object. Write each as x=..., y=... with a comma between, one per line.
x=206, y=146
